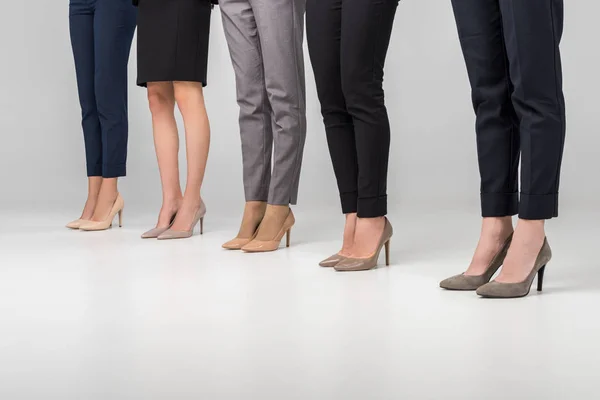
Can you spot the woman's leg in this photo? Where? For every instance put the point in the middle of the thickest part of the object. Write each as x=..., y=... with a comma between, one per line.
x=323, y=33
x=532, y=31
x=114, y=26
x=256, y=130
x=161, y=99
x=365, y=36
x=479, y=25
x=81, y=25
x=190, y=100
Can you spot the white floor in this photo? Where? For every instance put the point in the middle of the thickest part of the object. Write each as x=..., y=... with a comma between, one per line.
x=109, y=316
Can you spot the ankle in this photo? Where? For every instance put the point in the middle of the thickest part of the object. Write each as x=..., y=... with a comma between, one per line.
x=497, y=227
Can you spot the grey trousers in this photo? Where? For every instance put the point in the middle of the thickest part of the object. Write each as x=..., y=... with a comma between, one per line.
x=265, y=41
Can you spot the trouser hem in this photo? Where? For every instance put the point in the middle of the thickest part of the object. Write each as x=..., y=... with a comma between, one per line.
x=536, y=207
x=372, y=207
x=499, y=204
x=349, y=202
x=114, y=170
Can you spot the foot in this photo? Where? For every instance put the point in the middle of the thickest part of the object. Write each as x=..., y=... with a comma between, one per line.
x=349, y=231
x=106, y=199
x=367, y=236
x=94, y=185
x=168, y=211
x=254, y=212
x=186, y=214
x=494, y=232
x=272, y=222
x=526, y=245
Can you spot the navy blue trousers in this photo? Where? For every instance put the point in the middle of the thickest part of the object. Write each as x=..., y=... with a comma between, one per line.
x=511, y=48
x=101, y=36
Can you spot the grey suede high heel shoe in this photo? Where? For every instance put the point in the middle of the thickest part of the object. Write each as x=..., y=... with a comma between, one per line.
x=472, y=282
x=520, y=289
x=156, y=232
x=198, y=217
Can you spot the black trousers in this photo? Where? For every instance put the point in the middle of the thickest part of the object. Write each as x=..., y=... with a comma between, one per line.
x=101, y=35
x=348, y=42
x=511, y=48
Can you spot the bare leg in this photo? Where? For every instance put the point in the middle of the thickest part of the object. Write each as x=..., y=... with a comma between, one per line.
x=190, y=100
x=494, y=232
x=526, y=244
x=349, y=232
x=367, y=236
x=161, y=98
x=94, y=184
x=106, y=199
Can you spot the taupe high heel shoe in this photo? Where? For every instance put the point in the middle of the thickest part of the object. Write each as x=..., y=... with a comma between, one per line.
x=363, y=264
x=472, y=282
x=77, y=223
x=261, y=246
x=332, y=261
x=520, y=289
x=156, y=232
x=117, y=208
x=198, y=217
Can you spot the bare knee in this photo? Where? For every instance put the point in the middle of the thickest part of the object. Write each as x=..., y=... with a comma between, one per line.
x=188, y=95
x=160, y=98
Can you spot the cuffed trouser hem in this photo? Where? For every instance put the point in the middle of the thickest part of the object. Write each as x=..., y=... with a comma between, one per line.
x=542, y=206
x=114, y=170
x=372, y=207
x=94, y=170
x=499, y=204
x=349, y=202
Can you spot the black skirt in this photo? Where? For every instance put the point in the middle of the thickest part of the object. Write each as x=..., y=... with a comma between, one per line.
x=173, y=40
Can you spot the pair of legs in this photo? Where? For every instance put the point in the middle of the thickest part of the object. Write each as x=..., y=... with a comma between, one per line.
x=348, y=42
x=265, y=43
x=511, y=48
x=101, y=36
x=162, y=97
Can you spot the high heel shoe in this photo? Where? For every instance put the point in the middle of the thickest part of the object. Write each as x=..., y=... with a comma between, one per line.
x=237, y=243
x=156, y=232
x=520, y=289
x=363, y=264
x=77, y=223
x=117, y=208
x=472, y=282
x=198, y=217
x=332, y=261
x=261, y=246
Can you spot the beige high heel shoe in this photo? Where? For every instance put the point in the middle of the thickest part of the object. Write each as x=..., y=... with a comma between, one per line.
x=472, y=282
x=520, y=289
x=77, y=223
x=117, y=208
x=261, y=246
x=363, y=264
x=156, y=232
x=237, y=243
x=198, y=217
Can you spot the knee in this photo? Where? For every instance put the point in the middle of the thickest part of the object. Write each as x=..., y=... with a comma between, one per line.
x=362, y=95
x=159, y=101
x=188, y=94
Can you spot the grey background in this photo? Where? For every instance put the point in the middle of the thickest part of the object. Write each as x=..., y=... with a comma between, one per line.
x=433, y=160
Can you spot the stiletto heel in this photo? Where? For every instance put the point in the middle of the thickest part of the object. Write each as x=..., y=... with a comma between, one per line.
x=121, y=218
x=202, y=226
x=387, y=253
x=198, y=217
x=117, y=208
x=520, y=289
x=541, y=278
x=363, y=264
x=261, y=246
